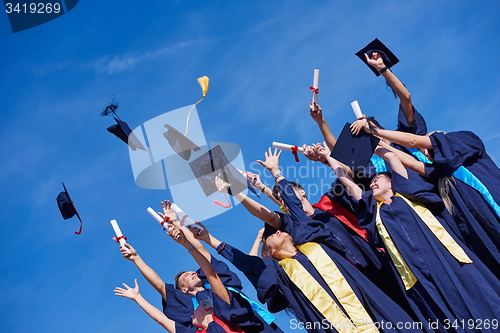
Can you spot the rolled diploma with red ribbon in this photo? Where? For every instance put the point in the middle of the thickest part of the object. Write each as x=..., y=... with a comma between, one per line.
x=315, y=85
x=245, y=174
x=356, y=109
x=183, y=217
x=119, y=235
x=158, y=218
x=284, y=146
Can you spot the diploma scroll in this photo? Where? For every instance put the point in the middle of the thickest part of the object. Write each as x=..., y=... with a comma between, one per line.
x=245, y=174
x=119, y=235
x=356, y=109
x=183, y=217
x=315, y=86
x=158, y=219
x=284, y=146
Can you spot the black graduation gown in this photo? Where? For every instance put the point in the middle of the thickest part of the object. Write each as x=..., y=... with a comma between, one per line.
x=447, y=290
x=477, y=224
x=179, y=306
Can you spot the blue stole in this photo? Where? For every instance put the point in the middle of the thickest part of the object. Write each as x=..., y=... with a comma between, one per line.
x=263, y=313
x=378, y=164
x=465, y=176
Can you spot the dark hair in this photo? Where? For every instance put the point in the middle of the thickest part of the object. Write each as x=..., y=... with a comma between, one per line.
x=176, y=280
x=295, y=185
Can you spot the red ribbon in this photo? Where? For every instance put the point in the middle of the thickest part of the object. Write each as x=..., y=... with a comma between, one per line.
x=118, y=238
x=294, y=152
x=316, y=91
x=165, y=221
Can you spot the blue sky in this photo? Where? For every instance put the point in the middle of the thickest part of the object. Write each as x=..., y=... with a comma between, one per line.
x=260, y=57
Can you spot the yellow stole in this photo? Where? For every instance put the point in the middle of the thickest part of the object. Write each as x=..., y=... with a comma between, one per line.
x=355, y=318
x=407, y=276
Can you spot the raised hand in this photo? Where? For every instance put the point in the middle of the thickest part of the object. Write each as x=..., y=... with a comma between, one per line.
x=177, y=235
x=167, y=211
x=359, y=125
x=375, y=60
x=316, y=112
x=205, y=235
x=129, y=252
x=221, y=185
x=272, y=159
x=131, y=293
x=311, y=153
x=323, y=150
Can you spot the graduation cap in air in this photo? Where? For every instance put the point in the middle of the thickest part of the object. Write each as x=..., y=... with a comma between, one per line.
x=121, y=129
x=179, y=143
x=354, y=151
x=214, y=163
x=377, y=46
x=67, y=208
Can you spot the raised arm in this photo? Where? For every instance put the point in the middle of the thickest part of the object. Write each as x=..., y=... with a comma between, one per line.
x=393, y=161
x=408, y=161
x=256, y=209
x=172, y=218
x=254, y=251
x=353, y=189
x=151, y=276
x=205, y=265
x=135, y=295
x=397, y=86
x=317, y=115
x=401, y=138
x=258, y=184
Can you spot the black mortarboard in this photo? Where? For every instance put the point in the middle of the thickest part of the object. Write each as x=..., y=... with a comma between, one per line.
x=67, y=208
x=215, y=163
x=354, y=150
x=124, y=133
x=180, y=143
x=389, y=58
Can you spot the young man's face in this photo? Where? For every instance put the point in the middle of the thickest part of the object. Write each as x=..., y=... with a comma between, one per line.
x=189, y=281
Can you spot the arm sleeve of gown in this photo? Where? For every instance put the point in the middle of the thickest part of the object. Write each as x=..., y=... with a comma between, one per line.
x=365, y=210
x=261, y=273
x=291, y=201
x=415, y=189
x=228, y=278
x=238, y=312
x=178, y=306
x=451, y=150
x=419, y=128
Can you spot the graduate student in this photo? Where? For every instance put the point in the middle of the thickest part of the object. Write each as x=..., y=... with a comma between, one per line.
x=337, y=221
x=468, y=181
x=309, y=275
x=180, y=300
x=203, y=316
x=439, y=275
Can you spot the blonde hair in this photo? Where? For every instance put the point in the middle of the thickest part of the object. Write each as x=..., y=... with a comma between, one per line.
x=445, y=184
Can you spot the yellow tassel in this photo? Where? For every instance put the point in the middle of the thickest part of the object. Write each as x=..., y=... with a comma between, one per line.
x=203, y=81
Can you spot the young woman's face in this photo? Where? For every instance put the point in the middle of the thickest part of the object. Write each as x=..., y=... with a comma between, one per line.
x=278, y=241
x=380, y=185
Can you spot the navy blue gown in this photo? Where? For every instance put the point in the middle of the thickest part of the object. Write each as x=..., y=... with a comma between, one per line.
x=447, y=291
x=179, y=306
x=477, y=224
